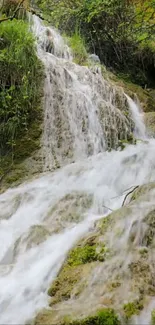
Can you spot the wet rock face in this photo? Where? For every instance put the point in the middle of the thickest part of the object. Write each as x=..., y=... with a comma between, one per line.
x=150, y=123
x=149, y=237
x=84, y=113
x=68, y=211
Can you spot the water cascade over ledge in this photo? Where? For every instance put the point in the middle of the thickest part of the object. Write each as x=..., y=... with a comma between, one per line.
x=40, y=221
x=84, y=113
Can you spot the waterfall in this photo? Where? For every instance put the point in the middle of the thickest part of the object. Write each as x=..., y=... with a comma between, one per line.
x=84, y=113
x=140, y=130
x=41, y=220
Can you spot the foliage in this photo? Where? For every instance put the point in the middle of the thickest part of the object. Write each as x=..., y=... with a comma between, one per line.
x=121, y=32
x=20, y=83
x=132, y=308
x=77, y=44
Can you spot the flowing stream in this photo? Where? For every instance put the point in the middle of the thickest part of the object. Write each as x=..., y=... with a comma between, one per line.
x=42, y=219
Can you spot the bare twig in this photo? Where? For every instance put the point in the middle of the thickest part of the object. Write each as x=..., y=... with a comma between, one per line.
x=104, y=206
x=128, y=194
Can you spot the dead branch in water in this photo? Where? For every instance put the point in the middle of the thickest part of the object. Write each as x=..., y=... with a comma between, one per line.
x=129, y=194
x=104, y=206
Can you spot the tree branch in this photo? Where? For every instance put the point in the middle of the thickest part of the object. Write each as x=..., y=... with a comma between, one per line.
x=104, y=206
x=128, y=194
x=14, y=14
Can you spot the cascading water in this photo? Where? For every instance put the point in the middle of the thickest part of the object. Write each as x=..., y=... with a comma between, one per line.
x=84, y=114
x=41, y=220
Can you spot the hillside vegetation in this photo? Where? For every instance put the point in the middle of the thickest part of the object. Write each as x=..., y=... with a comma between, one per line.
x=121, y=32
x=20, y=88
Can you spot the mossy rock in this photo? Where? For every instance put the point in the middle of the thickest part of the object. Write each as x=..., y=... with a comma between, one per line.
x=79, y=261
x=84, y=275
x=108, y=223
x=12, y=170
x=132, y=308
x=102, y=317
x=153, y=317
x=149, y=236
x=142, y=276
x=142, y=190
x=68, y=282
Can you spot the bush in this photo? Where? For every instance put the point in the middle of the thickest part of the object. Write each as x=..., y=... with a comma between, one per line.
x=20, y=83
x=77, y=44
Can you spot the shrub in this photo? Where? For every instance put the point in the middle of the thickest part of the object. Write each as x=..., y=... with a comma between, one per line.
x=77, y=45
x=20, y=83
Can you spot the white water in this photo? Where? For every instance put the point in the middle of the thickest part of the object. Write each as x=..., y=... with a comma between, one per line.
x=140, y=130
x=84, y=113
x=30, y=260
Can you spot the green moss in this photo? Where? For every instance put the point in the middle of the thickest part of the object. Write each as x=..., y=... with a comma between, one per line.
x=106, y=223
x=78, y=264
x=130, y=140
x=103, y=317
x=153, y=317
x=62, y=287
x=132, y=308
x=143, y=251
x=114, y=285
x=82, y=255
x=29, y=142
x=142, y=190
x=150, y=232
x=86, y=254
x=14, y=177
x=142, y=276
